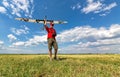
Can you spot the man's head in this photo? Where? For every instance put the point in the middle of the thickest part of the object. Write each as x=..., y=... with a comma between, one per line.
x=51, y=24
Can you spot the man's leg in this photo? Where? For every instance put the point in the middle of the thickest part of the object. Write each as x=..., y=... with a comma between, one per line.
x=50, y=54
x=55, y=57
x=50, y=48
x=55, y=49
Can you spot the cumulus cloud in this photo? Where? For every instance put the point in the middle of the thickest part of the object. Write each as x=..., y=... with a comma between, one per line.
x=81, y=38
x=17, y=7
x=20, y=43
x=2, y=9
x=93, y=40
x=11, y=37
x=77, y=34
x=98, y=7
x=88, y=39
x=36, y=40
x=88, y=33
x=24, y=30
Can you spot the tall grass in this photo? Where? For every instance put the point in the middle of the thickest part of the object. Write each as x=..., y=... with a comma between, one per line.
x=67, y=66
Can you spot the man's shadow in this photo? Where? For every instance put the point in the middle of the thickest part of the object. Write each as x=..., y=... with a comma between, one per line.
x=61, y=58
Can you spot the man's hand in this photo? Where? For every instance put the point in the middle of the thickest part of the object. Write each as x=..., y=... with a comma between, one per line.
x=45, y=22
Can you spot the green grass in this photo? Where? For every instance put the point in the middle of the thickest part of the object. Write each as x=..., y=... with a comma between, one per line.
x=67, y=66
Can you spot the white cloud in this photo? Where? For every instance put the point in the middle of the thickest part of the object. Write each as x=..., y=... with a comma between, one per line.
x=36, y=40
x=5, y=3
x=99, y=49
x=25, y=30
x=20, y=43
x=99, y=43
x=109, y=7
x=104, y=14
x=78, y=33
x=11, y=37
x=1, y=44
x=89, y=1
x=92, y=7
x=82, y=38
x=77, y=6
x=98, y=7
x=18, y=7
x=93, y=40
x=2, y=9
x=83, y=34
x=89, y=34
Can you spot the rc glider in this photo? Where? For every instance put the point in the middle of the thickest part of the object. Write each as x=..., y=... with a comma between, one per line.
x=41, y=21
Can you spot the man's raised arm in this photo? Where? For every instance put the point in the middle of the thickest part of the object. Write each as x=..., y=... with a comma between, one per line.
x=45, y=25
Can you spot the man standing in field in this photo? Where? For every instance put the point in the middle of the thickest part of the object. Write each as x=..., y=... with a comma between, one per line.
x=51, y=39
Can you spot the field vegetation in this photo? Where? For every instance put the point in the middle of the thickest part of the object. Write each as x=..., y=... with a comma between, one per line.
x=66, y=66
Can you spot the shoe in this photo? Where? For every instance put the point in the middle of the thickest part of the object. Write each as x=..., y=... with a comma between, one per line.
x=55, y=58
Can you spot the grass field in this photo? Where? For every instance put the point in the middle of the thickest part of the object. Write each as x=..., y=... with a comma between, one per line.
x=67, y=66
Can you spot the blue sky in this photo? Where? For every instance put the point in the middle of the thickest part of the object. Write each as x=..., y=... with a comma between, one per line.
x=93, y=26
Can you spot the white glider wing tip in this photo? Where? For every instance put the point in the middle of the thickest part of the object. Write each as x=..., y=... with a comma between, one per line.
x=65, y=22
x=17, y=18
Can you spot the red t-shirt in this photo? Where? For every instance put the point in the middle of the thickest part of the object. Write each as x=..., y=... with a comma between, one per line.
x=50, y=31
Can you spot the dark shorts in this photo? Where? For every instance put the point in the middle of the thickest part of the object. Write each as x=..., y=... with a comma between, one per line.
x=52, y=43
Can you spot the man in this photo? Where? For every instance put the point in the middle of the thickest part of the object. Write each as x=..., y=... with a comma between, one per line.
x=51, y=39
